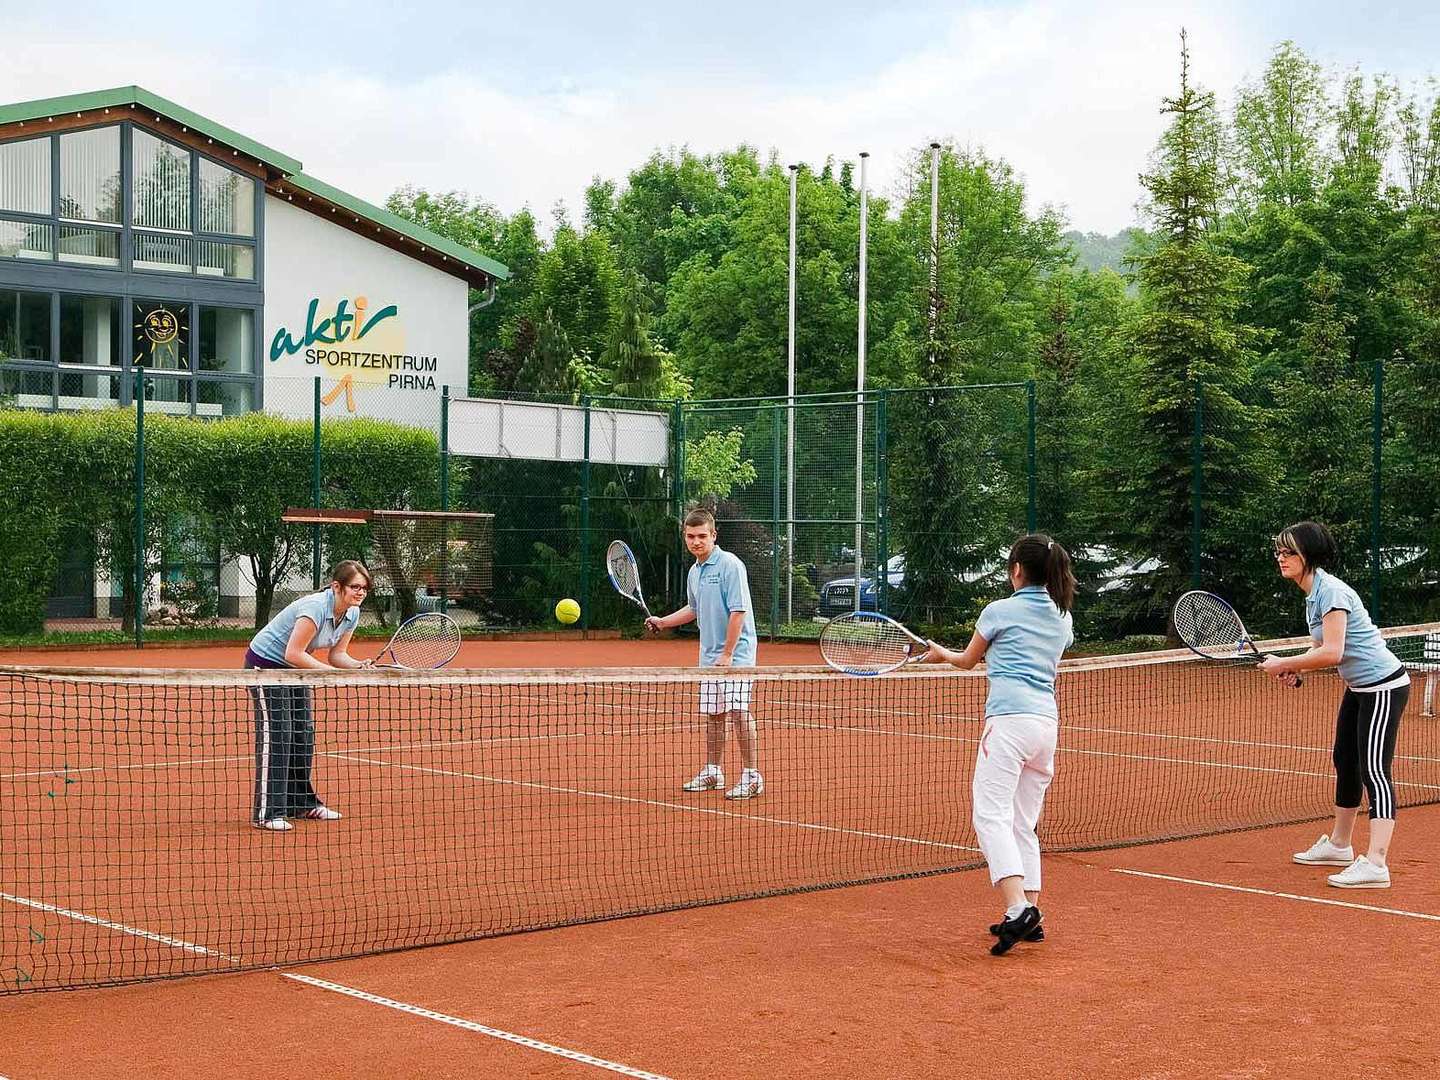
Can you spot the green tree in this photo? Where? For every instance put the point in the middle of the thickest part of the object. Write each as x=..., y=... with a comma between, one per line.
x=1187, y=341
x=1279, y=129
x=548, y=369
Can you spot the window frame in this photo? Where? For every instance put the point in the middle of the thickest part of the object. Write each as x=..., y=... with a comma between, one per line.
x=126, y=228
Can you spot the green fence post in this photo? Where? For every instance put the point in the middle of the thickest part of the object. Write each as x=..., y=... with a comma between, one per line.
x=775, y=445
x=585, y=521
x=1197, y=483
x=1377, y=417
x=1032, y=520
x=678, y=435
x=444, y=496
x=882, y=503
x=138, y=606
x=315, y=490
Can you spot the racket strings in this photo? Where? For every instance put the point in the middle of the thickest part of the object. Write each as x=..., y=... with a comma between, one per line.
x=624, y=571
x=1205, y=623
x=426, y=642
x=865, y=646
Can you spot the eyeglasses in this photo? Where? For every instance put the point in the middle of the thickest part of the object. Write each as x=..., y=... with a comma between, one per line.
x=357, y=586
x=1285, y=552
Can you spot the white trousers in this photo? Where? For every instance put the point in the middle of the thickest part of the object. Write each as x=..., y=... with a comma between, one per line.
x=1013, y=769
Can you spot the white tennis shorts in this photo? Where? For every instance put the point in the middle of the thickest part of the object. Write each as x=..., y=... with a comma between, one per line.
x=724, y=695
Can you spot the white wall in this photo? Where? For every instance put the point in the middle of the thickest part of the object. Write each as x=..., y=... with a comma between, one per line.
x=398, y=367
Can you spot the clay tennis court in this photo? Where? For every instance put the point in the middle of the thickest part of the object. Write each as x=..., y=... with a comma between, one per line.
x=549, y=813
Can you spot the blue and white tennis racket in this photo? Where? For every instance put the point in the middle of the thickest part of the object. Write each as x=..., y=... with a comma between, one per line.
x=625, y=573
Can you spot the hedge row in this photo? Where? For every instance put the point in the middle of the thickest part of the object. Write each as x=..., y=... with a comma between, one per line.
x=214, y=480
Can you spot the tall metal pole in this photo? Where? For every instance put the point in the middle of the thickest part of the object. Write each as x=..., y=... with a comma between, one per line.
x=138, y=607
x=1377, y=420
x=934, y=253
x=315, y=489
x=860, y=388
x=444, y=497
x=790, y=423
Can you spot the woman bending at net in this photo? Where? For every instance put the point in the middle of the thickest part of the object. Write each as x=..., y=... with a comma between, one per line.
x=1021, y=639
x=1377, y=687
x=284, y=714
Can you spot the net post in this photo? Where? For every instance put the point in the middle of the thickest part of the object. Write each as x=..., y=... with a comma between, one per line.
x=585, y=521
x=1032, y=519
x=444, y=497
x=1377, y=416
x=138, y=604
x=315, y=489
x=1197, y=481
x=775, y=445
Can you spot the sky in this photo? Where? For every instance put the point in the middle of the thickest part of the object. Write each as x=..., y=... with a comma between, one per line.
x=523, y=104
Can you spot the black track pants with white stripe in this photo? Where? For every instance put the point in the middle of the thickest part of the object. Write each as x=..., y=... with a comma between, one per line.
x=1365, y=747
x=284, y=751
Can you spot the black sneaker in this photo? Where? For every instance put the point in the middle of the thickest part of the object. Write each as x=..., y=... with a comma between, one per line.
x=1038, y=934
x=1012, y=931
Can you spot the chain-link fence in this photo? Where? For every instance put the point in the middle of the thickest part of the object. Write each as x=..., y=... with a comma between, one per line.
x=905, y=502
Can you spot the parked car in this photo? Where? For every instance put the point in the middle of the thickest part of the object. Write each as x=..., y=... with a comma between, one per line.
x=838, y=596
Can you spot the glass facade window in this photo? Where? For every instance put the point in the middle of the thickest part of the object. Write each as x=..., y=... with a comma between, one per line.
x=89, y=247
x=90, y=175
x=160, y=183
x=227, y=340
x=227, y=200
x=167, y=394
x=155, y=252
x=26, y=240
x=28, y=389
x=226, y=260
x=24, y=326
x=25, y=176
x=160, y=335
x=224, y=398
x=89, y=389
x=90, y=331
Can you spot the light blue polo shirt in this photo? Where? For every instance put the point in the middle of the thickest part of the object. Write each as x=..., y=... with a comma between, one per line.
x=319, y=608
x=1027, y=633
x=1366, y=659
x=714, y=589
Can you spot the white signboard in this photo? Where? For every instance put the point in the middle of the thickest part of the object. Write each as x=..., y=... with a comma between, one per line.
x=382, y=331
x=483, y=427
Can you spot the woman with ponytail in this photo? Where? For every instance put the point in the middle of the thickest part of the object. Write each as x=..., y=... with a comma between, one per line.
x=1021, y=639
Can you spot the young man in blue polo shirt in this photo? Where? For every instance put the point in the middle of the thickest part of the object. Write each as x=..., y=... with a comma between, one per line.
x=718, y=592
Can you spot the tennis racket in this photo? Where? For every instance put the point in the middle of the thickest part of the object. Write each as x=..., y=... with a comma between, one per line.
x=867, y=643
x=625, y=573
x=1211, y=628
x=422, y=642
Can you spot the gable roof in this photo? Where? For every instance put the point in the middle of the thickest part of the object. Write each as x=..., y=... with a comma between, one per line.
x=287, y=171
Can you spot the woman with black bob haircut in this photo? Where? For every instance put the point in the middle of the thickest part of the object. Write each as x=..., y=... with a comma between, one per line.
x=1021, y=639
x=1376, y=690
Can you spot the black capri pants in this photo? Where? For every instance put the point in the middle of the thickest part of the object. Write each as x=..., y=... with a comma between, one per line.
x=1365, y=746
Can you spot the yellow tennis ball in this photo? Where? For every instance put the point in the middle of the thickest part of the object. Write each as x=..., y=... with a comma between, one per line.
x=567, y=611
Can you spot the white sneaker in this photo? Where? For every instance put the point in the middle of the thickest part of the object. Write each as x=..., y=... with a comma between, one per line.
x=322, y=813
x=751, y=784
x=1361, y=874
x=707, y=779
x=274, y=824
x=1324, y=853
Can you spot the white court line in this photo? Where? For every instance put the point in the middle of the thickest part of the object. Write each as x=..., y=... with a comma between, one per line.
x=80, y=916
x=557, y=789
x=1280, y=895
x=480, y=1029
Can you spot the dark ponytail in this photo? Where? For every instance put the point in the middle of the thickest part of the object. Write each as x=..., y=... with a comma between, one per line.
x=1043, y=561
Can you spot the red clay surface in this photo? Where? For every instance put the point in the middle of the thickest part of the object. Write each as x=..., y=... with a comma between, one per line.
x=1139, y=978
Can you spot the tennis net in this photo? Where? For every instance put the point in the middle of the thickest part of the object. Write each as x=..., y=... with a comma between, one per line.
x=478, y=804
